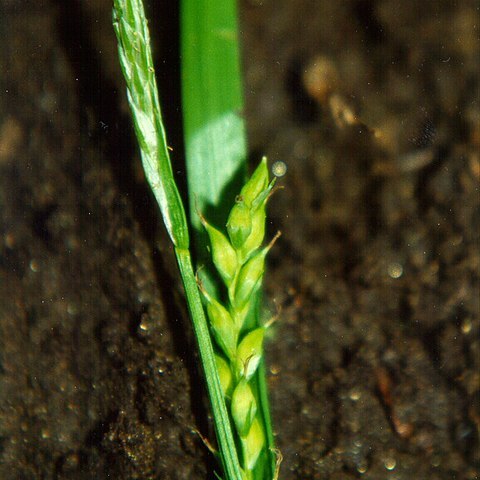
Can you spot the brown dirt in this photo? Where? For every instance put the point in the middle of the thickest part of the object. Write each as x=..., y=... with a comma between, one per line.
x=374, y=366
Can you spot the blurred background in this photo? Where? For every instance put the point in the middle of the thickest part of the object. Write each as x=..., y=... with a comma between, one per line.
x=374, y=365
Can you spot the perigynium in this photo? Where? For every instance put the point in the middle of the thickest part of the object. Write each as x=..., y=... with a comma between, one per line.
x=239, y=259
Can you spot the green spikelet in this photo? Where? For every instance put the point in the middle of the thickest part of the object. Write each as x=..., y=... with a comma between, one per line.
x=249, y=353
x=223, y=254
x=240, y=262
x=239, y=225
x=244, y=407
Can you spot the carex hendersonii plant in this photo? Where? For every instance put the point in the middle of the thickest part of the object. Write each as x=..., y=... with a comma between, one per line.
x=232, y=362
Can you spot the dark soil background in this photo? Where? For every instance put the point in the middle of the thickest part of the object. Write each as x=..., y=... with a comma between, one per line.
x=374, y=368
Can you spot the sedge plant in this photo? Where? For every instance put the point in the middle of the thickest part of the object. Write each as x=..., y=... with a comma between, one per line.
x=230, y=341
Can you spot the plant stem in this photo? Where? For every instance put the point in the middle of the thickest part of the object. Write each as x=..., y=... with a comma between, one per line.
x=223, y=430
x=135, y=56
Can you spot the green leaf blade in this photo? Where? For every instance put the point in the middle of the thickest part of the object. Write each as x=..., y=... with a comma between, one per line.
x=213, y=103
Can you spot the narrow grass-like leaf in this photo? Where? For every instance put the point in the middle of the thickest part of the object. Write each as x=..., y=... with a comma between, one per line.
x=212, y=106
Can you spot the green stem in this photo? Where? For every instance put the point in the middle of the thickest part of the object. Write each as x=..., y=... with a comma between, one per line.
x=223, y=429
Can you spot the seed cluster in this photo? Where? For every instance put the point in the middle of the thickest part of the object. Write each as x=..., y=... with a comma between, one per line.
x=240, y=261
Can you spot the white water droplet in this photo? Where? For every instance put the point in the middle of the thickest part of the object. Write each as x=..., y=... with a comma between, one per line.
x=279, y=168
